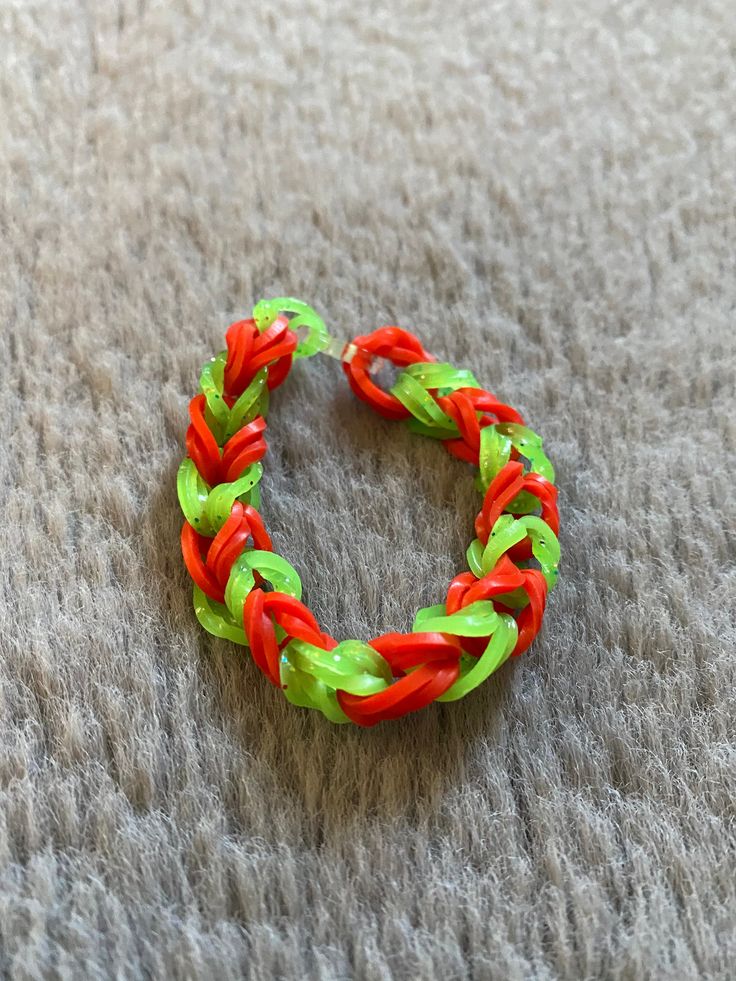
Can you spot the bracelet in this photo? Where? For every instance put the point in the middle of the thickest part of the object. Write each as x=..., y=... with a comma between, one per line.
x=246, y=593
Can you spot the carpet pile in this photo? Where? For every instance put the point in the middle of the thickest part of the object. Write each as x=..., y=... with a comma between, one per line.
x=544, y=192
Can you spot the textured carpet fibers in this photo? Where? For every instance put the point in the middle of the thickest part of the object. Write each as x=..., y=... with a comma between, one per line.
x=544, y=191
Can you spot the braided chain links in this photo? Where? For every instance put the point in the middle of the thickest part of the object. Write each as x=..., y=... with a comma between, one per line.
x=247, y=594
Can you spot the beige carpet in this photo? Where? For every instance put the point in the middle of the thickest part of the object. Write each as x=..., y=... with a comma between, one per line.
x=545, y=192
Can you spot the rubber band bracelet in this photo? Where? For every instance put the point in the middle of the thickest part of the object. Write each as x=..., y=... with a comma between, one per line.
x=246, y=593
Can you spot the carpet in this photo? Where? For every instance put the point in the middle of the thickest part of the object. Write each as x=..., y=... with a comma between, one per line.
x=544, y=192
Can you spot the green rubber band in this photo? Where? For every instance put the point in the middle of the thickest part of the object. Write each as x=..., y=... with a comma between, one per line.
x=494, y=454
x=478, y=619
x=443, y=379
x=352, y=666
x=441, y=376
x=523, y=503
x=515, y=600
x=474, y=555
x=254, y=497
x=217, y=619
x=211, y=384
x=317, y=339
x=423, y=407
x=272, y=567
x=305, y=691
x=193, y=491
x=253, y=402
x=545, y=547
x=474, y=672
x=265, y=313
x=506, y=533
x=221, y=499
x=529, y=445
